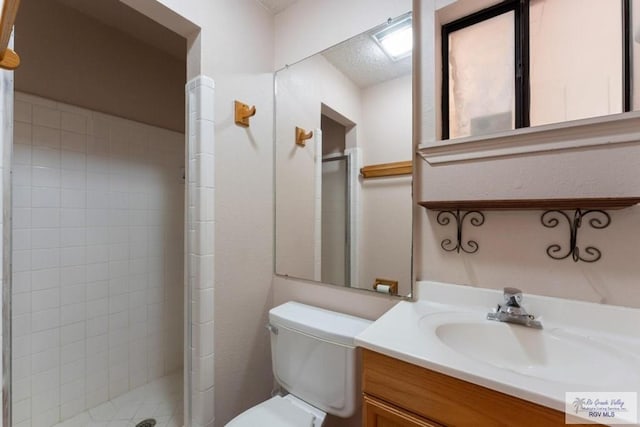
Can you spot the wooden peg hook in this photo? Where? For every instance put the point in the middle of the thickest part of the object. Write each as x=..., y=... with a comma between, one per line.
x=243, y=112
x=302, y=136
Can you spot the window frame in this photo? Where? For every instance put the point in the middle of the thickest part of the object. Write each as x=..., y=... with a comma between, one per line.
x=522, y=59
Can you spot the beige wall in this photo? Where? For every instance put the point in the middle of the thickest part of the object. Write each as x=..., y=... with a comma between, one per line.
x=385, y=246
x=302, y=89
x=513, y=244
x=73, y=58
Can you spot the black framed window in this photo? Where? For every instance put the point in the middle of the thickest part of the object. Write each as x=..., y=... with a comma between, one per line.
x=525, y=63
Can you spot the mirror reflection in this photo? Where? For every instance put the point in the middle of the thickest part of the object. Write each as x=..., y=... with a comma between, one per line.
x=343, y=155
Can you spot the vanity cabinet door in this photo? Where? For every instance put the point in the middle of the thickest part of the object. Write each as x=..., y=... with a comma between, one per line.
x=380, y=414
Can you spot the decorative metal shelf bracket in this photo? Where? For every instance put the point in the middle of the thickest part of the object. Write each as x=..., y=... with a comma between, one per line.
x=600, y=220
x=476, y=218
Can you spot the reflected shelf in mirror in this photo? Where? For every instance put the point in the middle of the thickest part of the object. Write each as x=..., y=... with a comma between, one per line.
x=351, y=105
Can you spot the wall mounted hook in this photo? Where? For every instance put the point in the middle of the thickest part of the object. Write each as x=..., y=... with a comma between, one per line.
x=302, y=136
x=243, y=112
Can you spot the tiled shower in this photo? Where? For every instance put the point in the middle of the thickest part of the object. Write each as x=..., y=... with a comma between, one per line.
x=98, y=254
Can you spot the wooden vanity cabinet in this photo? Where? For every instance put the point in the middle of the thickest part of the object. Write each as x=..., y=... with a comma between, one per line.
x=399, y=394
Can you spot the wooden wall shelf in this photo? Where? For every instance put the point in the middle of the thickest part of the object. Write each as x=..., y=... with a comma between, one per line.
x=387, y=169
x=606, y=203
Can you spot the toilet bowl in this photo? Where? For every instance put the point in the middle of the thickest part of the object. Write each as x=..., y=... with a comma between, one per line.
x=287, y=411
x=315, y=360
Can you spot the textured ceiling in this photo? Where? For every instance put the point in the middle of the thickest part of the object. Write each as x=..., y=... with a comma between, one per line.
x=121, y=17
x=277, y=6
x=364, y=62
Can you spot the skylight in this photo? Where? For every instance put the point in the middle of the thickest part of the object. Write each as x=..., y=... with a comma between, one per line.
x=396, y=40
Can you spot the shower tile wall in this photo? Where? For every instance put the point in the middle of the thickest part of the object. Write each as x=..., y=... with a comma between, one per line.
x=97, y=258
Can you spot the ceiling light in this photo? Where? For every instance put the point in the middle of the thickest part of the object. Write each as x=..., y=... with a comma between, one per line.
x=396, y=39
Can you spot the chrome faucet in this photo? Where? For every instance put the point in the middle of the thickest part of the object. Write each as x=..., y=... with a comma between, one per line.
x=512, y=312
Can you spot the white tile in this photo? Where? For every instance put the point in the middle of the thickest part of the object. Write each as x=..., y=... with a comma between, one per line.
x=73, y=371
x=73, y=236
x=22, y=201
x=45, y=157
x=96, y=397
x=118, y=386
x=118, y=303
x=73, y=275
x=45, y=238
x=72, y=217
x=44, y=340
x=72, y=294
x=22, y=350
x=72, y=256
x=21, y=260
x=97, y=253
x=72, y=333
x=72, y=313
x=22, y=155
x=22, y=282
x=45, y=361
x=73, y=352
x=46, y=116
x=73, y=122
x=97, y=326
x=21, y=367
x=45, y=382
x=45, y=217
x=81, y=418
x=73, y=179
x=22, y=182
x=22, y=134
x=21, y=411
x=72, y=141
x=45, y=197
x=45, y=320
x=21, y=217
x=97, y=272
x=75, y=199
x=21, y=325
x=98, y=307
x=97, y=290
x=97, y=370
x=22, y=111
x=205, y=376
x=45, y=177
x=104, y=412
x=72, y=391
x=45, y=137
x=46, y=418
x=45, y=299
x=45, y=258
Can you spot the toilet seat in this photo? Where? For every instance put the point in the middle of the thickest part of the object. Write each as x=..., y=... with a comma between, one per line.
x=287, y=411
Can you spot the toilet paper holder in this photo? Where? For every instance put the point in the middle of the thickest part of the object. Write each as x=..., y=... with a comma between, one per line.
x=386, y=286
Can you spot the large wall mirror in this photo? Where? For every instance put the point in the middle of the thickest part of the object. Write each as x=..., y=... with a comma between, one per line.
x=337, y=112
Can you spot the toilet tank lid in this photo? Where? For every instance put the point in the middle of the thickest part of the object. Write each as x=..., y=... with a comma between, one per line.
x=328, y=325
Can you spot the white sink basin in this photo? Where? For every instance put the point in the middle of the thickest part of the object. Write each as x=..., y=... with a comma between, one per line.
x=552, y=354
x=583, y=346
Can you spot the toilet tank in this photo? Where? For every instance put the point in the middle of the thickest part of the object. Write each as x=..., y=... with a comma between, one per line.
x=314, y=357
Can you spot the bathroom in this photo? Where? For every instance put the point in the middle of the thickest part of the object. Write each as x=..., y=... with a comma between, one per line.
x=231, y=50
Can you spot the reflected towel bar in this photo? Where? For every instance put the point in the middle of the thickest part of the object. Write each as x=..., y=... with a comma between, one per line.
x=387, y=169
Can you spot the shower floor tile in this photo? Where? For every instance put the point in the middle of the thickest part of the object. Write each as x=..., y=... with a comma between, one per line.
x=160, y=399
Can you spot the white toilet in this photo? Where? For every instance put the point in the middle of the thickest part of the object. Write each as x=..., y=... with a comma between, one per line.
x=314, y=359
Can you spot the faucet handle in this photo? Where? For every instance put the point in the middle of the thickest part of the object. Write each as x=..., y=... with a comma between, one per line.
x=512, y=296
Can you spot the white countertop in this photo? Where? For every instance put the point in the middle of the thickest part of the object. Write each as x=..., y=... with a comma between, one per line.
x=404, y=333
